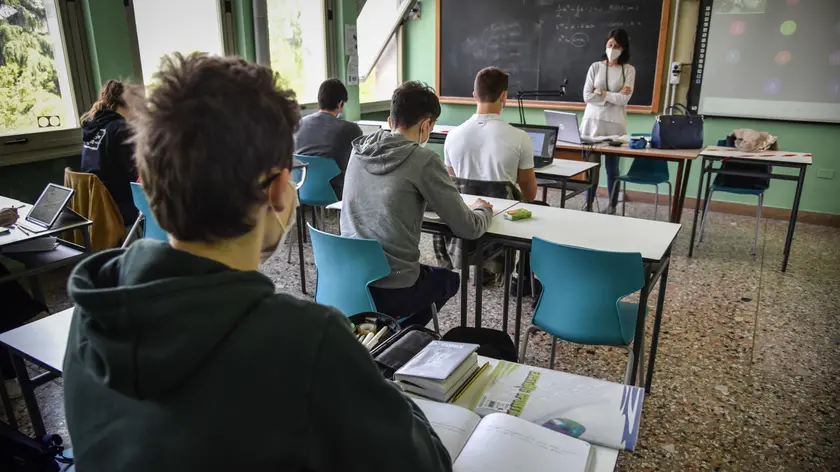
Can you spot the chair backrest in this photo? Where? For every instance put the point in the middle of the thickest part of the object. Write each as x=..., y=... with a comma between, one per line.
x=345, y=268
x=487, y=188
x=653, y=169
x=581, y=291
x=316, y=189
x=152, y=229
x=92, y=200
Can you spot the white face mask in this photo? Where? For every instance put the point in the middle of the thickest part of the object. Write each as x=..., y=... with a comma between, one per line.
x=613, y=54
x=428, y=136
x=267, y=254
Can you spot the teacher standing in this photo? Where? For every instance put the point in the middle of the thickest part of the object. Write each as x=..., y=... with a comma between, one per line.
x=609, y=86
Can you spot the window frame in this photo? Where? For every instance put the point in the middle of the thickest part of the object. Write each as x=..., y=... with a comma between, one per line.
x=32, y=147
x=385, y=105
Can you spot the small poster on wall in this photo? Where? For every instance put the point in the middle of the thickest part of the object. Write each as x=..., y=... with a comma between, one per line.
x=353, y=70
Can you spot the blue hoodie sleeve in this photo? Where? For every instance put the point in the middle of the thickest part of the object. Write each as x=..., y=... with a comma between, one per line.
x=353, y=411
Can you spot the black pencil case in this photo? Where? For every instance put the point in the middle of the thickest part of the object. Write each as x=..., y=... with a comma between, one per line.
x=400, y=348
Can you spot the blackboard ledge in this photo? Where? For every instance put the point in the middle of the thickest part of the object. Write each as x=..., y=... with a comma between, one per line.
x=640, y=109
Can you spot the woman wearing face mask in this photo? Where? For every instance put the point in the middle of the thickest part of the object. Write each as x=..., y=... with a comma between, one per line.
x=609, y=86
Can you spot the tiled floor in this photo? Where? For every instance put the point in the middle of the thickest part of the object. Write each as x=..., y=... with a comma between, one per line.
x=749, y=357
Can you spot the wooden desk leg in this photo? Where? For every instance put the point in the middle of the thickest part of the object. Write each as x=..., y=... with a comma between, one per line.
x=300, y=233
x=28, y=391
x=465, y=282
x=654, y=342
x=520, y=281
x=697, y=205
x=675, y=210
x=639, y=339
x=793, y=214
x=7, y=402
x=506, y=306
x=479, y=280
x=682, y=193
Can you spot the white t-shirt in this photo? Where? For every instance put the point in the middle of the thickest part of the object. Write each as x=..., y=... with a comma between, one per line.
x=487, y=148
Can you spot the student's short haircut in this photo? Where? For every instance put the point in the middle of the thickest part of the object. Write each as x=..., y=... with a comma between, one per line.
x=210, y=129
x=412, y=103
x=490, y=83
x=331, y=93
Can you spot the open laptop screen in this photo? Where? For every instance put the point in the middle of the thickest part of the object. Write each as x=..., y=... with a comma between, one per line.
x=544, y=139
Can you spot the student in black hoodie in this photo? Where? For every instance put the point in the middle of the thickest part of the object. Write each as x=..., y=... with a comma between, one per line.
x=181, y=357
x=106, y=151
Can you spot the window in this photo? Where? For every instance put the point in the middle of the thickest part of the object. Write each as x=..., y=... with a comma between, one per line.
x=379, y=23
x=185, y=26
x=297, y=34
x=36, y=94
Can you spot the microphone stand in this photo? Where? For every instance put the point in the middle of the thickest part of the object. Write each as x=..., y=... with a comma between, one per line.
x=522, y=94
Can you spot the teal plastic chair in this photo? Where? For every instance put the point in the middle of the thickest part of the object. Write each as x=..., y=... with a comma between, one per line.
x=152, y=229
x=582, y=300
x=646, y=172
x=741, y=186
x=345, y=268
x=316, y=190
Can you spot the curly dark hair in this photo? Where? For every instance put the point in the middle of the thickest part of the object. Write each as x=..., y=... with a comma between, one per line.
x=209, y=130
x=110, y=97
x=413, y=102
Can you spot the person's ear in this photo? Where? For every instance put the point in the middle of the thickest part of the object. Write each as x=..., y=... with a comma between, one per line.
x=340, y=106
x=390, y=123
x=503, y=98
x=278, y=191
x=475, y=96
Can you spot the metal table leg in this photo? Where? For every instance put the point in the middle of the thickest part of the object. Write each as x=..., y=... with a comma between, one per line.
x=674, y=216
x=520, y=281
x=7, y=403
x=640, y=325
x=479, y=280
x=506, y=306
x=300, y=233
x=27, y=388
x=793, y=214
x=563, y=184
x=660, y=305
x=680, y=197
x=465, y=282
x=703, y=174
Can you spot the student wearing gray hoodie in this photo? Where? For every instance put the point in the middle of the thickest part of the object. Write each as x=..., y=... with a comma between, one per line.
x=389, y=181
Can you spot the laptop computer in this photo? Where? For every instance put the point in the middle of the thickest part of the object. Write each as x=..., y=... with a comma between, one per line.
x=567, y=123
x=544, y=139
x=369, y=129
x=47, y=209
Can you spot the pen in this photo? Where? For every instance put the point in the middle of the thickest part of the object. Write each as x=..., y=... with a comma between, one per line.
x=17, y=227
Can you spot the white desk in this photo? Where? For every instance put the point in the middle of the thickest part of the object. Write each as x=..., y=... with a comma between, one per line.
x=796, y=160
x=561, y=170
x=565, y=168
x=499, y=205
x=44, y=343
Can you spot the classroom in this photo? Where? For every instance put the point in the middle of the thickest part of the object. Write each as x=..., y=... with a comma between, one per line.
x=419, y=235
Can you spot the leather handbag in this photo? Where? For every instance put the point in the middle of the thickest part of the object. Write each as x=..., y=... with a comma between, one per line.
x=672, y=131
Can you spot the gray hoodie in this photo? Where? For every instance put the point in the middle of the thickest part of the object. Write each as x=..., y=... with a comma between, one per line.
x=388, y=182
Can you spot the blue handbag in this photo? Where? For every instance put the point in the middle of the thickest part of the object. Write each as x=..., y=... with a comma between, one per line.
x=677, y=131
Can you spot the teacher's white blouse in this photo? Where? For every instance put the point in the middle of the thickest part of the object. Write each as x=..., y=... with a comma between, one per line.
x=606, y=116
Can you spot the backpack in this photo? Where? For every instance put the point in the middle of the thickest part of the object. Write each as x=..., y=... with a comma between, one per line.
x=20, y=453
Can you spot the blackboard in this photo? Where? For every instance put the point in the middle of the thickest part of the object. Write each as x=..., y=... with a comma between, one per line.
x=540, y=43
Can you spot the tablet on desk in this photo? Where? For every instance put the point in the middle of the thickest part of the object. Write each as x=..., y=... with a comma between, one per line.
x=47, y=209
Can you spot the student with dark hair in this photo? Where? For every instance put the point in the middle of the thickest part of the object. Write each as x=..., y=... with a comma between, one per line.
x=390, y=180
x=181, y=356
x=607, y=91
x=487, y=148
x=106, y=150
x=324, y=134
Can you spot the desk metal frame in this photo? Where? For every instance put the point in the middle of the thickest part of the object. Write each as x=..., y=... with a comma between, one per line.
x=588, y=184
x=708, y=169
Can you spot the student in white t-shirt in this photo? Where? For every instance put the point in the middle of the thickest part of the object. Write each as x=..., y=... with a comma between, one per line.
x=487, y=148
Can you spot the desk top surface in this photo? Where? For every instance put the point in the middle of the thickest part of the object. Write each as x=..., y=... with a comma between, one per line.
x=626, y=150
x=763, y=156
x=64, y=222
x=591, y=230
x=565, y=168
x=44, y=341
x=499, y=205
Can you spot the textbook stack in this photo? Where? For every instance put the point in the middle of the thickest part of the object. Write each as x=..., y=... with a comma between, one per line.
x=440, y=371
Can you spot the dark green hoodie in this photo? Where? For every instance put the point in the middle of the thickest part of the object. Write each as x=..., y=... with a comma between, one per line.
x=179, y=363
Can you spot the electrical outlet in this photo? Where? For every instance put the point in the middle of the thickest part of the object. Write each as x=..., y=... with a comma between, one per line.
x=825, y=173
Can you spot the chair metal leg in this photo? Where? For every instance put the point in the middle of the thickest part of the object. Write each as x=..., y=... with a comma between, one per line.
x=628, y=372
x=435, y=321
x=624, y=198
x=705, y=216
x=553, y=353
x=757, y=223
x=524, y=345
x=670, y=196
x=612, y=195
x=641, y=375
x=656, y=203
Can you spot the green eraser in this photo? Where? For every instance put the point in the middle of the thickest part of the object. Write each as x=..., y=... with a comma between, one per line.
x=518, y=214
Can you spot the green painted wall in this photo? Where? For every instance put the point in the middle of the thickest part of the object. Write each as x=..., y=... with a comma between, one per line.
x=822, y=140
x=244, y=20
x=108, y=41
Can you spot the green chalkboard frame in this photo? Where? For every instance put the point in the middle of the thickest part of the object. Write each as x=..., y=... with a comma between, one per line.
x=657, y=83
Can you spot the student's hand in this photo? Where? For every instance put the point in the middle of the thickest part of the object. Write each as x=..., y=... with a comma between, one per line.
x=627, y=90
x=8, y=216
x=479, y=204
x=600, y=92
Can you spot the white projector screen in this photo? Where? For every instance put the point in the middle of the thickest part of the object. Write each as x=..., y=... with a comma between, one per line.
x=773, y=59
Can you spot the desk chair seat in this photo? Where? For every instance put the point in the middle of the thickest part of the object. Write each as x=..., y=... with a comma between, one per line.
x=739, y=185
x=646, y=172
x=151, y=228
x=582, y=300
x=345, y=268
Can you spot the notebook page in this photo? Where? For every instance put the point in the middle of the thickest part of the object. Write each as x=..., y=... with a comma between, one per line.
x=453, y=424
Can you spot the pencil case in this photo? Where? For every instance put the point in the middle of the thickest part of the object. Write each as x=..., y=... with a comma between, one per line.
x=400, y=348
x=518, y=214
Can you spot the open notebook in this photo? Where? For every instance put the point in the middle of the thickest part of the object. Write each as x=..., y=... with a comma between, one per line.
x=502, y=443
